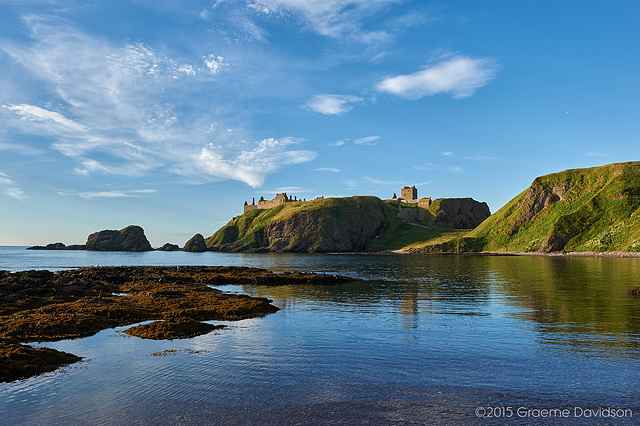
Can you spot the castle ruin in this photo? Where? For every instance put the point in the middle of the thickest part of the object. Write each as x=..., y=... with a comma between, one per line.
x=278, y=200
x=409, y=194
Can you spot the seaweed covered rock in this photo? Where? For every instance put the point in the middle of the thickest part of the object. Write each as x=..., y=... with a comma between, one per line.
x=131, y=238
x=21, y=361
x=172, y=329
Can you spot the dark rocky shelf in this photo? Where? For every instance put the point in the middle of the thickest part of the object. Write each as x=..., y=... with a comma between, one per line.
x=49, y=306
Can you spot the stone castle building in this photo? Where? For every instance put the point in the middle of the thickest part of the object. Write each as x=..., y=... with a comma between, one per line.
x=279, y=199
x=409, y=194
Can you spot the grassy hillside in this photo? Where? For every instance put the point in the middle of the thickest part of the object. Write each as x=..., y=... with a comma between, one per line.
x=323, y=225
x=446, y=219
x=593, y=209
x=344, y=224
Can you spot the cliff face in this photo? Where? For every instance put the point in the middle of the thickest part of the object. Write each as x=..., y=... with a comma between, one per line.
x=131, y=238
x=459, y=213
x=593, y=209
x=324, y=225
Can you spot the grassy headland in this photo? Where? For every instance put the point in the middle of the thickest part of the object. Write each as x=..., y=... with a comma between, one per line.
x=594, y=209
x=345, y=225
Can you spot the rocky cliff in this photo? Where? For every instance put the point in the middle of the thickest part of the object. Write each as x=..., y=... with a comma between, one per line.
x=323, y=225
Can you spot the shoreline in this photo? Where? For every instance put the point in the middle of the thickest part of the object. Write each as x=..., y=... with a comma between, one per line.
x=608, y=254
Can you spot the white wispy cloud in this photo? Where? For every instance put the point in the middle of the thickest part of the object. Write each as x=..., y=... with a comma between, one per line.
x=129, y=109
x=290, y=190
x=595, y=154
x=474, y=157
x=331, y=18
x=20, y=149
x=252, y=166
x=460, y=76
x=37, y=114
x=332, y=104
x=382, y=182
x=369, y=140
x=458, y=169
x=214, y=63
x=327, y=169
x=88, y=195
x=9, y=187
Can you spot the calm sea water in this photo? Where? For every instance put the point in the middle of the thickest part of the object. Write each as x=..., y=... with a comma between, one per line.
x=424, y=339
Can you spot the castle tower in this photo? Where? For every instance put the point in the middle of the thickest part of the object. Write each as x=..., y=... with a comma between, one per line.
x=409, y=193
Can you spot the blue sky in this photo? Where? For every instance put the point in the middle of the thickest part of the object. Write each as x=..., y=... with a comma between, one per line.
x=170, y=114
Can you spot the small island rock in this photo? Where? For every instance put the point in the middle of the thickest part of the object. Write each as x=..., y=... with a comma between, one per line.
x=196, y=244
x=169, y=247
x=131, y=238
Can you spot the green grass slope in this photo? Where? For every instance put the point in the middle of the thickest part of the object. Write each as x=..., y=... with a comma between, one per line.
x=593, y=209
x=445, y=219
x=322, y=225
x=345, y=225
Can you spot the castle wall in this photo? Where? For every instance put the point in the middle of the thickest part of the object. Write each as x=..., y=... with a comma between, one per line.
x=278, y=200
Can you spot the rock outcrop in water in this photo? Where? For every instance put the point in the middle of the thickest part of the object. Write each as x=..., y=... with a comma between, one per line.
x=169, y=247
x=48, y=306
x=196, y=244
x=131, y=238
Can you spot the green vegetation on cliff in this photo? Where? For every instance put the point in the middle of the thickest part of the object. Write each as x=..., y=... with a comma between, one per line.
x=322, y=225
x=446, y=218
x=345, y=225
x=593, y=209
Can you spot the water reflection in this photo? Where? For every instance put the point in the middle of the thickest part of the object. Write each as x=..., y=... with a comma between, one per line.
x=438, y=334
x=562, y=296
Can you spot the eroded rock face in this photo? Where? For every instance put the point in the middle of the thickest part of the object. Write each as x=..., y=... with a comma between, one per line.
x=196, y=244
x=539, y=196
x=131, y=238
x=461, y=213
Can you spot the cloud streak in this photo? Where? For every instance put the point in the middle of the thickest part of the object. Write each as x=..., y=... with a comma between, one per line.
x=9, y=187
x=252, y=166
x=332, y=104
x=129, y=110
x=367, y=141
x=331, y=18
x=136, y=193
x=460, y=76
